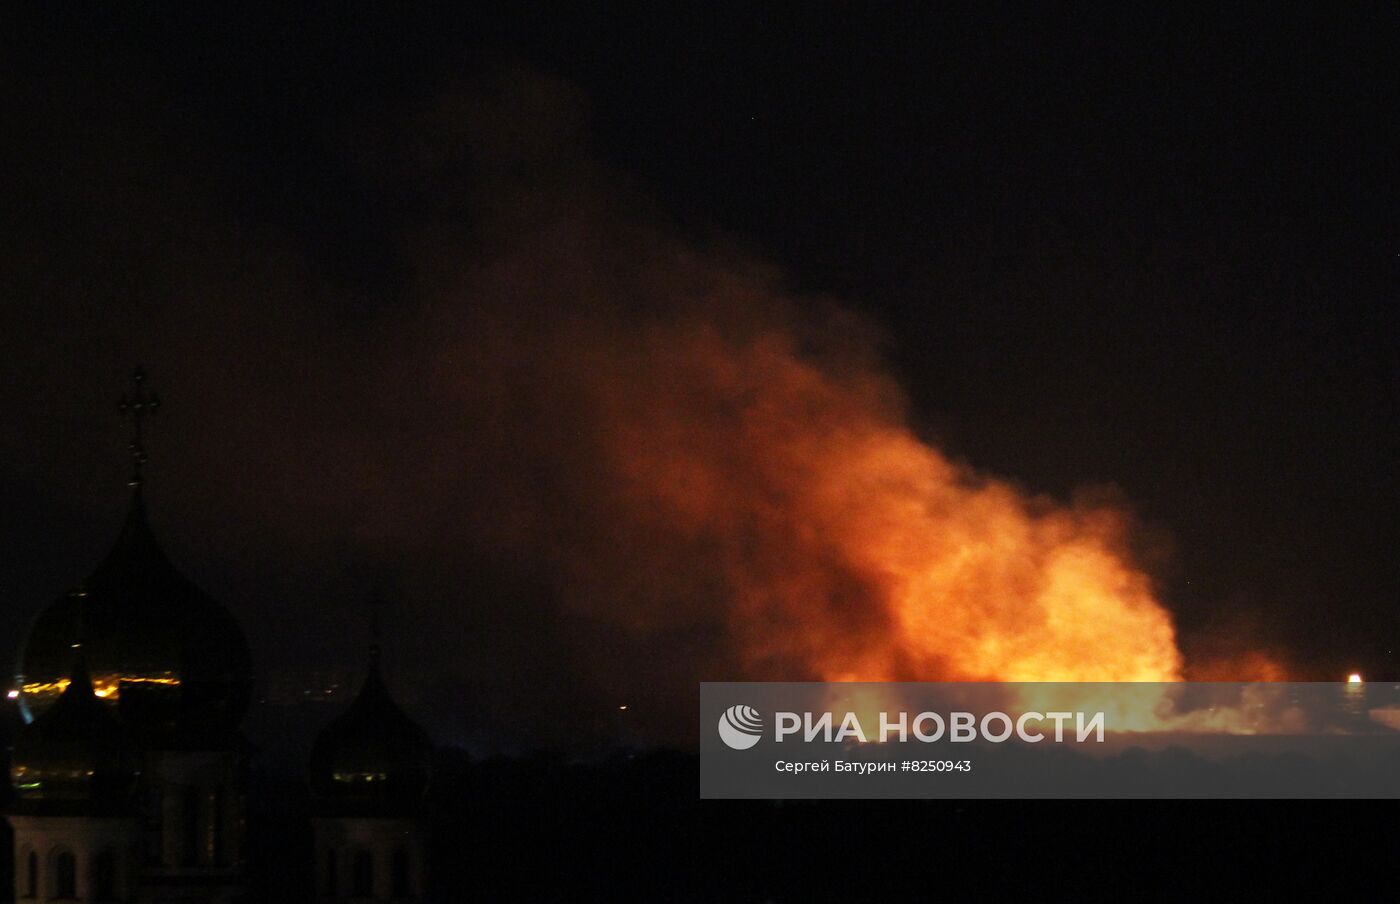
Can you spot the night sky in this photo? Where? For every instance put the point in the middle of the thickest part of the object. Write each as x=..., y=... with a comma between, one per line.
x=1149, y=256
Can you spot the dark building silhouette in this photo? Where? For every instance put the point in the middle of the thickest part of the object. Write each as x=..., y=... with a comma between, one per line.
x=130, y=774
x=369, y=775
x=76, y=817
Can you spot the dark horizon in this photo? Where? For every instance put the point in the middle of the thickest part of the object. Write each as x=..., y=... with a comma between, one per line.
x=1145, y=260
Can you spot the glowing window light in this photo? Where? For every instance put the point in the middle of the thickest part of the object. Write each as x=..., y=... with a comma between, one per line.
x=355, y=777
x=107, y=686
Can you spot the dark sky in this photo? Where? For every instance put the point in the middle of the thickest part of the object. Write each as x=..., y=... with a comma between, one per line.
x=1156, y=250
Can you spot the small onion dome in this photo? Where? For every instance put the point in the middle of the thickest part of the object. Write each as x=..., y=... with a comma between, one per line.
x=372, y=759
x=77, y=756
x=173, y=660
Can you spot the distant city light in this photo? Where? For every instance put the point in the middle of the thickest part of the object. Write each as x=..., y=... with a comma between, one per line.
x=623, y=706
x=1354, y=678
x=13, y=695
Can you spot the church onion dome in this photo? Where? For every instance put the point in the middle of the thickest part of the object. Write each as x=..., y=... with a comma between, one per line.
x=170, y=658
x=372, y=760
x=77, y=757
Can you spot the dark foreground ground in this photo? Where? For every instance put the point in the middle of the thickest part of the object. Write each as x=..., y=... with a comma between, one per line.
x=631, y=827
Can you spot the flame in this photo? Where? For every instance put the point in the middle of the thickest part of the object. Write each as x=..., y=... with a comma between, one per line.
x=700, y=462
x=851, y=550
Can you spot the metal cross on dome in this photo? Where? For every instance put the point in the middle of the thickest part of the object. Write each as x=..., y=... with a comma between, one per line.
x=138, y=403
x=376, y=606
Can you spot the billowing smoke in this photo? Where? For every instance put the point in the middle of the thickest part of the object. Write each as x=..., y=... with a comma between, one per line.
x=603, y=458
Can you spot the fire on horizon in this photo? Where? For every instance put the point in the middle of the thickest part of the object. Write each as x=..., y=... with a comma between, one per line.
x=882, y=365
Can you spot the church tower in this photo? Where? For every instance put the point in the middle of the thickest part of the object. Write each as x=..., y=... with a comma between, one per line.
x=75, y=820
x=369, y=774
x=171, y=666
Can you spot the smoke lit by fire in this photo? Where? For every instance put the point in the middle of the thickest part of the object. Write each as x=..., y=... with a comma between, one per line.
x=700, y=452
x=702, y=473
x=847, y=549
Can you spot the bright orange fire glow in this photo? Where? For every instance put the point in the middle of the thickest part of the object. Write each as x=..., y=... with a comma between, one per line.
x=742, y=473
x=102, y=686
x=851, y=550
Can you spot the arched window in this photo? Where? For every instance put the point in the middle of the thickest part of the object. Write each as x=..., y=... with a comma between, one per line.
x=153, y=851
x=332, y=883
x=65, y=875
x=362, y=867
x=399, y=873
x=104, y=875
x=189, y=825
x=216, y=826
x=31, y=875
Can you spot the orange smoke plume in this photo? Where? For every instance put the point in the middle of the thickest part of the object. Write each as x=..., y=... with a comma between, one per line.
x=849, y=549
x=732, y=471
x=714, y=468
